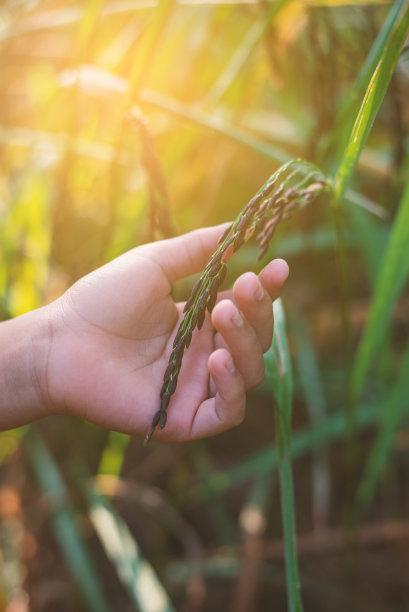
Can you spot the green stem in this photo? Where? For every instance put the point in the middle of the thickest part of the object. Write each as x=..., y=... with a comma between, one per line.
x=288, y=516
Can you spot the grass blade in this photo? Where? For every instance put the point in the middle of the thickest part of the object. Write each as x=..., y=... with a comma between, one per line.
x=390, y=281
x=242, y=53
x=372, y=100
x=64, y=523
x=214, y=122
x=148, y=46
x=393, y=412
x=371, y=239
x=313, y=391
x=349, y=108
x=138, y=577
x=282, y=383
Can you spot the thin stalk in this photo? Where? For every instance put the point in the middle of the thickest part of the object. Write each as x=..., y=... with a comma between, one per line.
x=282, y=385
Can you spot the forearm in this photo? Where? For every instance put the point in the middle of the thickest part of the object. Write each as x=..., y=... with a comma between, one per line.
x=23, y=354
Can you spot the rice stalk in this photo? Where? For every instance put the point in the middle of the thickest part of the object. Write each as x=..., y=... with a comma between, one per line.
x=292, y=186
x=159, y=206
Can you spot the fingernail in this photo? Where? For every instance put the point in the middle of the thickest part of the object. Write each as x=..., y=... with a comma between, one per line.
x=237, y=319
x=230, y=366
x=259, y=294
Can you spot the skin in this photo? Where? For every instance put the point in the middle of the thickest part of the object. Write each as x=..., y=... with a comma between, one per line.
x=101, y=349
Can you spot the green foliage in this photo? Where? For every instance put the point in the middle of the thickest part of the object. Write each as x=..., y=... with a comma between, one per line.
x=373, y=98
x=228, y=93
x=65, y=524
x=389, y=283
x=135, y=573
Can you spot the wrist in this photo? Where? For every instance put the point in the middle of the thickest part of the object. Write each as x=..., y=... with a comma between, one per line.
x=24, y=345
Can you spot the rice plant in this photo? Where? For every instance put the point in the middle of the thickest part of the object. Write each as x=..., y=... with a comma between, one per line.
x=125, y=122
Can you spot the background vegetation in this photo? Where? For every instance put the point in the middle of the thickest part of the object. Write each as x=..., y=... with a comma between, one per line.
x=126, y=120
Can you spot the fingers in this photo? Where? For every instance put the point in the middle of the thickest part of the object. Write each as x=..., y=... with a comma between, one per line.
x=227, y=409
x=273, y=277
x=186, y=254
x=254, y=294
x=241, y=340
x=246, y=330
x=255, y=304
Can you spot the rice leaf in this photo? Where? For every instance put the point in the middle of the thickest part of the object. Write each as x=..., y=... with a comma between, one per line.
x=135, y=573
x=349, y=109
x=370, y=238
x=214, y=122
x=64, y=523
x=242, y=53
x=374, y=95
x=389, y=284
x=394, y=411
x=313, y=391
x=149, y=46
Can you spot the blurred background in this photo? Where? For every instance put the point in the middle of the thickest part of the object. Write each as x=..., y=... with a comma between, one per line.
x=123, y=121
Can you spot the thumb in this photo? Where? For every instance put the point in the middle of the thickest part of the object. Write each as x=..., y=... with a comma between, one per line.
x=186, y=254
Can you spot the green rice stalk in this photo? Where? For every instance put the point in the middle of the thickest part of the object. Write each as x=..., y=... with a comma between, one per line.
x=282, y=382
x=292, y=186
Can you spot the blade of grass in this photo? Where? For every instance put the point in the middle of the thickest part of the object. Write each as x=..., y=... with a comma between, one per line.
x=282, y=383
x=349, y=109
x=136, y=574
x=149, y=46
x=97, y=79
x=64, y=522
x=393, y=411
x=362, y=201
x=372, y=100
x=389, y=284
x=313, y=391
x=370, y=238
x=213, y=121
x=344, y=284
x=242, y=53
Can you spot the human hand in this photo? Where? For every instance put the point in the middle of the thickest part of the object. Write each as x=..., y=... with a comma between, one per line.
x=111, y=334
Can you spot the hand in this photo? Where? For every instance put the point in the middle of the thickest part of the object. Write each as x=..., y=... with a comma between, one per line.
x=111, y=334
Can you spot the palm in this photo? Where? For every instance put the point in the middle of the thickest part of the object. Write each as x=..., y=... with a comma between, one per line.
x=121, y=328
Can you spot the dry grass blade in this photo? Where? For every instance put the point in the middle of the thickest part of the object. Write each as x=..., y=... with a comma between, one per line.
x=292, y=186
